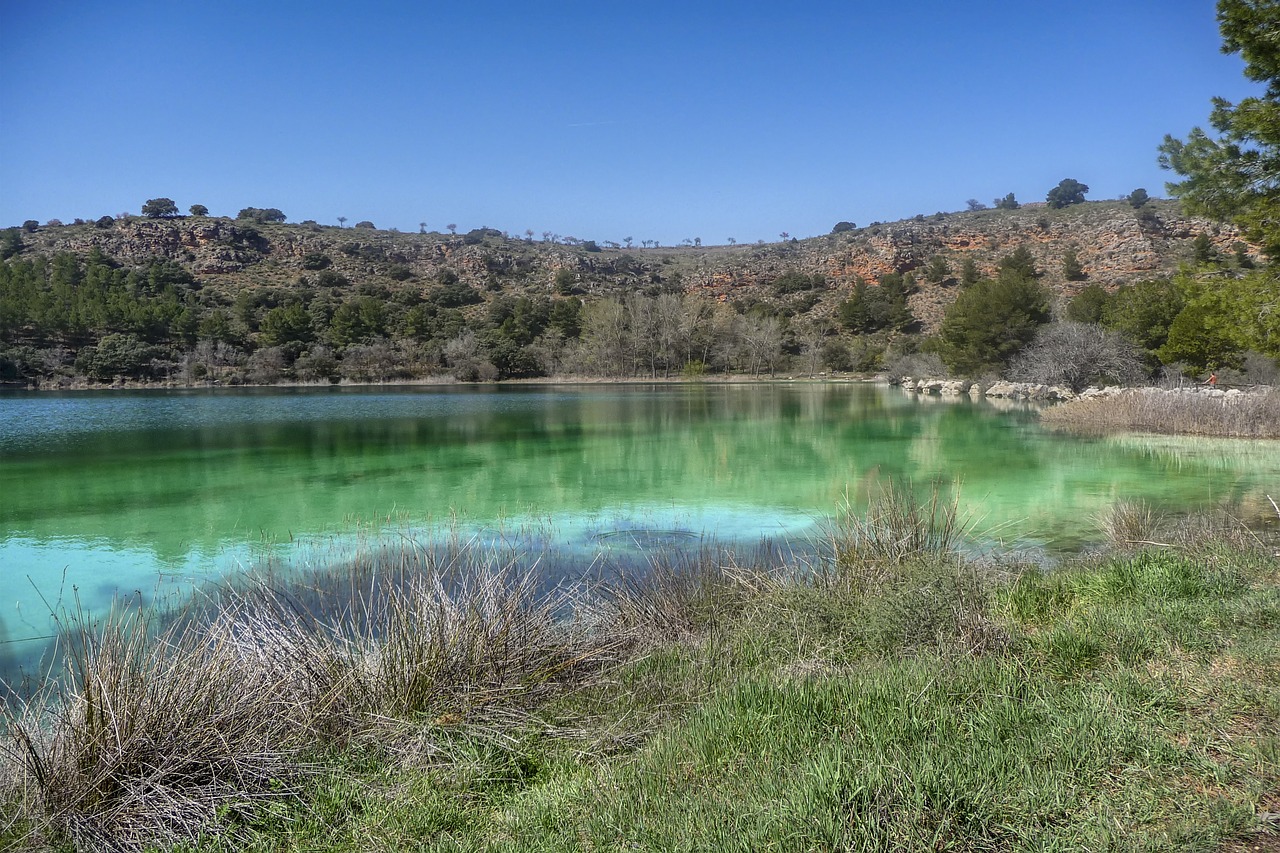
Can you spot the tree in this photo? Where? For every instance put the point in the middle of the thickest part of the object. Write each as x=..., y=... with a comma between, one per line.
x=263, y=214
x=843, y=226
x=1007, y=203
x=10, y=243
x=285, y=325
x=969, y=272
x=422, y=228
x=453, y=228
x=1071, y=267
x=1144, y=311
x=1019, y=262
x=1203, y=251
x=1137, y=198
x=1236, y=176
x=973, y=204
x=1088, y=306
x=364, y=223
x=937, y=270
x=990, y=322
x=1077, y=355
x=342, y=220
x=198, y=210
x=159, y=208
x=1068, y=191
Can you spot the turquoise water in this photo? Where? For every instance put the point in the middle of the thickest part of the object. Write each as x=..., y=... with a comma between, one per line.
x=143, y=493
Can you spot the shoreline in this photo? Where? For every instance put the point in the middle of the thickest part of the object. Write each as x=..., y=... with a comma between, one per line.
x=436, y=381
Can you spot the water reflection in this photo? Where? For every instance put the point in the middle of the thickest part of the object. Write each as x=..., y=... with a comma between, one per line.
x=152, y=491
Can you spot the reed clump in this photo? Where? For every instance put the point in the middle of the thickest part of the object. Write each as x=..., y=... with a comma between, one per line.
x=1250, y=415
x=144, y=737
x=153, y=734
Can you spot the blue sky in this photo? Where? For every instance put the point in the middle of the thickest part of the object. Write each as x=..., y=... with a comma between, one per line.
x=597, y=120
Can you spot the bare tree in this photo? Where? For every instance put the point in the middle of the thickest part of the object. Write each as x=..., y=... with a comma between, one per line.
x=785, y=235
x=467, y=361
x=810, y=336
x=606, y=337
x=762, y=340
x=627, y=240
x=1077, y=355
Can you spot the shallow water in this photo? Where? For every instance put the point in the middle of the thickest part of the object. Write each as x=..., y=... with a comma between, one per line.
x=144, y=493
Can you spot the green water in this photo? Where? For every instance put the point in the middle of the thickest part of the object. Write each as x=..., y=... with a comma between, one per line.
x=103, y=493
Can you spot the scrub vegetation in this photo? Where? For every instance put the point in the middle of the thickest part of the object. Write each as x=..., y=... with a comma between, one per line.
x=880, y=692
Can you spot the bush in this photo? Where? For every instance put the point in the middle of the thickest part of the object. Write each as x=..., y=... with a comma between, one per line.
x=1077, y=355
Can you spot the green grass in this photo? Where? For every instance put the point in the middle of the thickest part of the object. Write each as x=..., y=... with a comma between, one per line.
x=885, y=702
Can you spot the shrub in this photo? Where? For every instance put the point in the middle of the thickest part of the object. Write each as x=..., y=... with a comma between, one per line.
x=1077, y=355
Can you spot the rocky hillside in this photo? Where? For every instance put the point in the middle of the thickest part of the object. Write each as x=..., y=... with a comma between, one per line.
x=1114, y=244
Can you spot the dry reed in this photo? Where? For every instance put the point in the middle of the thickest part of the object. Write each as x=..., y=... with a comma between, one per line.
x=1253, y=415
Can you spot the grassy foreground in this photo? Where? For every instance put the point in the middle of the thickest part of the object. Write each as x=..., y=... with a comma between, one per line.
x=886, y=695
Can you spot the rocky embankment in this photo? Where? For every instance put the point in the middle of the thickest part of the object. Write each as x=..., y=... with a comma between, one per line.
x=1035, y=392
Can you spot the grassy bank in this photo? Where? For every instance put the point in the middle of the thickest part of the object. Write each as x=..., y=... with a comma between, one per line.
x=885, y=695
x=1253, y=415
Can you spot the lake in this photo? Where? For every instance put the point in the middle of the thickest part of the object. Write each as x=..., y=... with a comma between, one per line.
x=150, y=492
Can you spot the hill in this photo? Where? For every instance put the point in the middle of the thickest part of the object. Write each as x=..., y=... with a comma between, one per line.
x=170, y=284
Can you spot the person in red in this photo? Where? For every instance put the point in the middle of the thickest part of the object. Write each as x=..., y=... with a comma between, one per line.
x=1212, y=381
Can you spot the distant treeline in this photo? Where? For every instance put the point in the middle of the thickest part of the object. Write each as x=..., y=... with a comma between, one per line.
x=67, y=316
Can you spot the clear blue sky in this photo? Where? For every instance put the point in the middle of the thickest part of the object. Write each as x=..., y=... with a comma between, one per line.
x=598, y=120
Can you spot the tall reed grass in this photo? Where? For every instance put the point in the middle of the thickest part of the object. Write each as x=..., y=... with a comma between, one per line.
x=1254, y=415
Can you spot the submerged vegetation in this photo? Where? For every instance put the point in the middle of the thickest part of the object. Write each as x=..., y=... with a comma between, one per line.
x=883, y=692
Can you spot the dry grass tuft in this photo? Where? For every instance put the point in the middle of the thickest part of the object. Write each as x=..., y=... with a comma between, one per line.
x=895, y=529
x=1130, y=524
x=145, y=739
